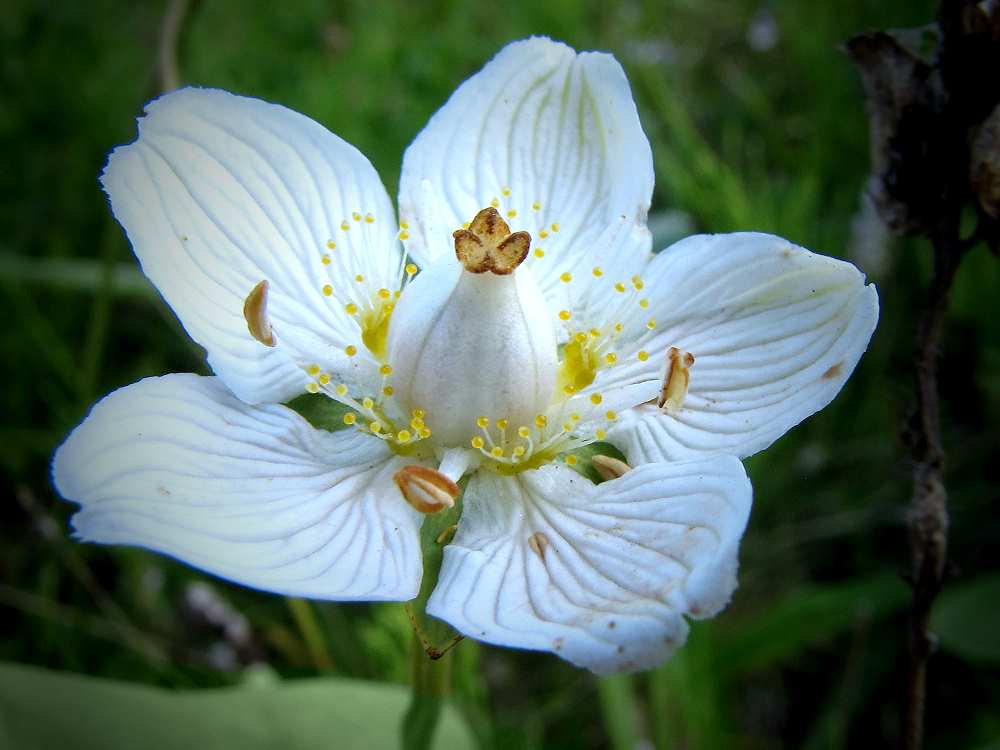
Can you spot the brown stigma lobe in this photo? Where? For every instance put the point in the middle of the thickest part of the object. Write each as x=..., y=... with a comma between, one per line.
x=488, y=245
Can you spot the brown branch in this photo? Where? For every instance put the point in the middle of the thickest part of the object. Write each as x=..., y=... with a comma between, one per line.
x=928, y=516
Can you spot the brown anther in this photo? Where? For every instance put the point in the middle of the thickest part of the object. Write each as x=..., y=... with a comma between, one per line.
x=675, y=380
x=255, y=312
x=426, y=490
x=608, y=467
x=445, y=536
x=538, y=543
x=488, y=245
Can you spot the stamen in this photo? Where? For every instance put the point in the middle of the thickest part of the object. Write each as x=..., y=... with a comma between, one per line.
x=675, y=380
x=255, y=312
x=608, y=467
x=426, y=490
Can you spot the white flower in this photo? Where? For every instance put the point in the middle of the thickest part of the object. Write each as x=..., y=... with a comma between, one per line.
x=276, y=245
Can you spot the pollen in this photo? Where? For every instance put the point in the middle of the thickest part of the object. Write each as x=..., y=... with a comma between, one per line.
x=385, y=370
x=564, y=315
x=350, y=350
x=312, y=387
x=566, y=277
x=411, y=269
x=351, y=308
x=331, y=245
x=327, y=290
x=483, y=422
x=596, y=398
x=350, y=418
x=477, y=442
x=403, y=436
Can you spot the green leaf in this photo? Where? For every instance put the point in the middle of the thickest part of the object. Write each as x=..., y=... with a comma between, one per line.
x=43, y=709
x=805, y=616
x=967, y=621
x=585, y=467
x=321, y=411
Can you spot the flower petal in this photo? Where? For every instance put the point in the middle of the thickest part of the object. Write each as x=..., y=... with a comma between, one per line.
x=220, y=192
x=553, y=136
x=775, y=331
x=599, y=574
x=252, y=494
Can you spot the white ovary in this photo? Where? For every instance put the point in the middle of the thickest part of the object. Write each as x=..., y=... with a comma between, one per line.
x=464, y=345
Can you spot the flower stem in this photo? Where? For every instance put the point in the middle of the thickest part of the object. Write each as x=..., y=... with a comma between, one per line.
x=430, y=679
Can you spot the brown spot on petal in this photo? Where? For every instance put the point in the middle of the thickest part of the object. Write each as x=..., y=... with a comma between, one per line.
x=833, y=371
x=538, y=543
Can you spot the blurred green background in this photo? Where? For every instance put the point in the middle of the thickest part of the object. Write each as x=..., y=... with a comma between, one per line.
x=757, y=121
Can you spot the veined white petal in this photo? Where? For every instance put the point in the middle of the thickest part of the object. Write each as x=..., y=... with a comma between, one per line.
x=253, y=494
x=554, y=138
x=602, y=575
x=220, y=192
x=775, y=331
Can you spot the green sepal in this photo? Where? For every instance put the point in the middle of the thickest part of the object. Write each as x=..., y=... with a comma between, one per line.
x=584, y=455
x=321, y=411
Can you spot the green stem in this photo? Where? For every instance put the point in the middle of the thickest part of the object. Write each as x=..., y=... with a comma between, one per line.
x=312, y=635
x=618, y=709
x=430, y=679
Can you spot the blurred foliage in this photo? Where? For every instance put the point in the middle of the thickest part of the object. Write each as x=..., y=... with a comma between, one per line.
x=756, y=121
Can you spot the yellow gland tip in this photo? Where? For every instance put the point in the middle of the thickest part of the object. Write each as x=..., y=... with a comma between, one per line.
x=611, y=416
x=388, y=390
x=425, y=432
x=350, y=308
x=541, y=420
x=600, y=434
x=496, y=452
x=384, y=293
x=375, y=427
x=403, y=436
x=327, y=290
x=596, y=398
x=505, y=191
x=351, y=350
x=523, y=431
x=369, y=218
x=325, y=260
x=543, y=234
x=324, y=379
x=536, y=206
x=565, y=315
x=477, y=442
x=331, y=244
x=417, y=414
x=610, y=358
x=597, y=272
x=502, y=424
x=651, y=323
x=312, y=387
x=411, y=269
x=356, y=216
x=313, y=370
x=404, y=235
x=539, y=253
x=483, y=422
x=555, y=227
x=512, y=213
x=571, y=460
x=359, y=278
x=495, y=202
x=644, y=303
x=385, y=370
x=566, y=277
x=518, y=451
x=344, y=225
x=619, y=287
x=341, y=390
x=367, y=403
x=642, y=356
x=350, y=418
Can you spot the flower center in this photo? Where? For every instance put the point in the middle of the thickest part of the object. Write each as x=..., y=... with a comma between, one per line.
x=471, y=340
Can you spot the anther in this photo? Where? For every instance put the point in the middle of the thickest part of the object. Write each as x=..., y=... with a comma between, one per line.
x=538, y=543
x=255, y=312
x=426, y=490
x=675, y=380
x=488, y=245
x=608, y=467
